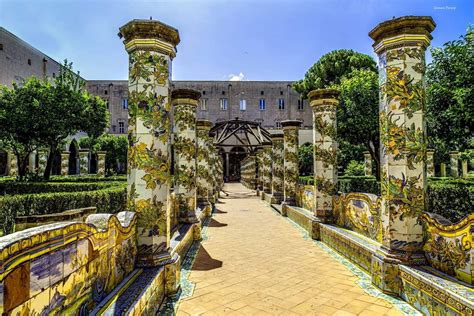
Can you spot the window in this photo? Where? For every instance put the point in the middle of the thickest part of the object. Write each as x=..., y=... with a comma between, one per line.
x=281, y=104
x=203, y=92
x=223, y=104
x=125, y=104
x=121, y=127
x=29, y=62
x=203, y=104
x=281, y=92
x=1, y=46
x=223, y=92
x=106, y=92
x=261, y=92
x=243, y=105
x=300, y=104
x=54, y=75
x=262, y=104
x=278, y=124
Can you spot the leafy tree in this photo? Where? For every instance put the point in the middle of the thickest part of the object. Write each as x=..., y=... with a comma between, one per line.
x=330, y=68
x=450, y=96
x=72, y=110
x=305, y=157
x=21, y=113
x=355, y=75
x=115, y=146
x=357, y=116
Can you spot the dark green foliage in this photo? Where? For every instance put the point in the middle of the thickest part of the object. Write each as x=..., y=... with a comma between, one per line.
x=116, y=148
x=305, y=157
x=354, y=168
x=13, y=187
x=453, y=199
x=87, y=178
x=365, y=184
x=450, y=97
x=107, y=200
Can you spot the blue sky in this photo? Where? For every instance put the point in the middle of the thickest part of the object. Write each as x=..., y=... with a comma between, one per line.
x=249, y=40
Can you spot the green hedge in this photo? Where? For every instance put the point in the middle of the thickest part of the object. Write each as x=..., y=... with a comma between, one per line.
x=13, y=187
x=87, y=178
x=452, y=198
x=107, y=200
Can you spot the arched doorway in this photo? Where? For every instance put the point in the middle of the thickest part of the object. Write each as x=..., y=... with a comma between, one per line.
x=235, y=157
x=56, y=166
x=73, y=158
x=93, y=163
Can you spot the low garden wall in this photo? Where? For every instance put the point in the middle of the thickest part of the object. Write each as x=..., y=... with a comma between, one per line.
x=66, y=268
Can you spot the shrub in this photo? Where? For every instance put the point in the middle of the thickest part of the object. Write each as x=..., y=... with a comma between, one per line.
x=354, y=168
x=107, y=200
x=451, y=198
x=365, y=184
x=13, y=188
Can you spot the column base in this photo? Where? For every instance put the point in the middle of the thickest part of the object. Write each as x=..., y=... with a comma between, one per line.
x=325, y=216
x=277, y=198
x=149, y=257
x=385, y=268
x=173, y=275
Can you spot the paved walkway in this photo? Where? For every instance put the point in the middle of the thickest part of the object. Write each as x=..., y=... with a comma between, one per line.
x=256, y=262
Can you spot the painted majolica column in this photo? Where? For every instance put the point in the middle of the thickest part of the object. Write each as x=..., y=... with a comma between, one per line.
x=32, y=162
x=42, y=161
x=324, y=104
x=400, y=44
x=184, y=103
x=442, y=169
x=204, y=176
x=430, y=170
x=212, y=168
x=259, y=166
x=83, y=161
x=65, y=163
x=464, y=168
x=277, y=167
x=13, y=164
x=151, y=46
x=367, y=164
x=101, y=163
x=454, y=163
x=267, y=169
x=290, y=160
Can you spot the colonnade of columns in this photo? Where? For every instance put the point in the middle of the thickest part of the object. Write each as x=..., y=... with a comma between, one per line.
x=37, y=162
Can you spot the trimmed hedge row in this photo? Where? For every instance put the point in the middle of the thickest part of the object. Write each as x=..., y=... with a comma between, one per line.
x=452, y=198
x=14, y=188
x=89, y=178
x=107, y=200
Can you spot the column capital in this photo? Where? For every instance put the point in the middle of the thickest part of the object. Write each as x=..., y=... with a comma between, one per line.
x=453, y=153
x=83, y=151
x=277, y=137
x=323, y=97
x=203, y=124
x=291, y=124
x=185, y=96
x=149, y=35
x=430, y=151
x=405, y=29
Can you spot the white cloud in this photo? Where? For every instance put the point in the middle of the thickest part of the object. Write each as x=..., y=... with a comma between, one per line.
x=238, y=77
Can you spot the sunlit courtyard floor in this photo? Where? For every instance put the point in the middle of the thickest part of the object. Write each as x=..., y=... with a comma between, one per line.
x=255, y=262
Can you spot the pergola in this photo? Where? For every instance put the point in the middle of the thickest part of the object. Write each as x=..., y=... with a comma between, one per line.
x=239, y=134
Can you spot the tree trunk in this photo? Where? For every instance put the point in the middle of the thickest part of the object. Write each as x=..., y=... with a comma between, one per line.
x=22, y=165
x=374, y=149
x=49, y=164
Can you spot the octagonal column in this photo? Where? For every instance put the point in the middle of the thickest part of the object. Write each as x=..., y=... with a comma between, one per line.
x=324, y=103
x=184, y=103
x=454, y=163
x=267, y=169
x=442, y=169
x=290, y=160
x=151, y=46
x=101, y=163
x=42, y=161
x=65, y=163
x=400, y=45
x=464, y=167
x=204, y=177
x=367, y=164
x=83, y=161
x=430, y=170
x=259, y=169
x=212, y=169
x=277, y=167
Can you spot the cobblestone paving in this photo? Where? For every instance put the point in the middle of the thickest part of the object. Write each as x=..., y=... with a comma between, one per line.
x=255, y=262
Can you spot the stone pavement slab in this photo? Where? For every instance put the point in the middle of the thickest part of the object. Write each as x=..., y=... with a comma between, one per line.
x=255, y=262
